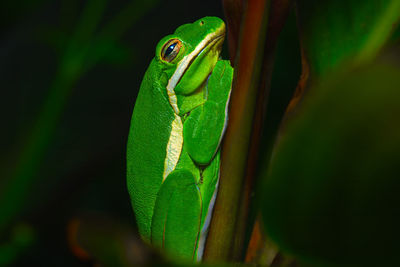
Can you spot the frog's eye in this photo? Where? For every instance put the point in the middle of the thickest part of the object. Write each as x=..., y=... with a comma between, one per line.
x=171, y=50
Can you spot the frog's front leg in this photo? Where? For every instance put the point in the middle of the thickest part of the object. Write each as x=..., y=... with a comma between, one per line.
x=177, y=213
x=204, y=127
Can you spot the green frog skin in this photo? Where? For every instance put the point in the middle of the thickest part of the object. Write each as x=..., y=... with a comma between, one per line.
x=173, y=151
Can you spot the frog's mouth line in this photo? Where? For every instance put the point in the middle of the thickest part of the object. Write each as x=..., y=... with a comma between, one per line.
x=218, y=40
x=207, y=43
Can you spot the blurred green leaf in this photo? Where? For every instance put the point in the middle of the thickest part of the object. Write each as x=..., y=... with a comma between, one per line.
x=332, y=193
x=396, y=36
x=21, y=237
x=336, y=31
x=8, y=253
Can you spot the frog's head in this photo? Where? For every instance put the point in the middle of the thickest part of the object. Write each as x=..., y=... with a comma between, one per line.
x=188, y=56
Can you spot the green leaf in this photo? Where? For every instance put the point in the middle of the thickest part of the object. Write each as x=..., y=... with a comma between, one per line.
x=332, y=193
x=336, y=31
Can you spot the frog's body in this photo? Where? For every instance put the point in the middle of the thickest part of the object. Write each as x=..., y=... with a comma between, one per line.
x=173, y=148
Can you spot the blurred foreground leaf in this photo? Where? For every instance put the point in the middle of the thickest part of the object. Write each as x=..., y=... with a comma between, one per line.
x=333, y=191
x=109, y=242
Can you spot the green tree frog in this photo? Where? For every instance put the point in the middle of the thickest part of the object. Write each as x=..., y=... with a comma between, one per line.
x=176, y=129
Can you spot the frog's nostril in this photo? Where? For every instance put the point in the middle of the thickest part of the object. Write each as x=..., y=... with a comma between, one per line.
x=201, y=23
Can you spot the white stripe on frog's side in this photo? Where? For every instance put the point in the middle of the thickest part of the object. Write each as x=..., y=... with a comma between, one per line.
x=175, y=142
x=174, y=146
x=204, y=230
x=226, y=121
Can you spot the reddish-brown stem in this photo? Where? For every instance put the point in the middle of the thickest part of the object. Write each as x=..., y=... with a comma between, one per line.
x=220, y=242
